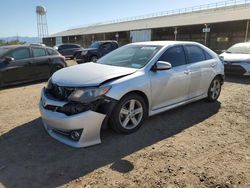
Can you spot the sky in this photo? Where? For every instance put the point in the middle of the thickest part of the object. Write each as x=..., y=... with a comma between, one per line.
x=18, y=17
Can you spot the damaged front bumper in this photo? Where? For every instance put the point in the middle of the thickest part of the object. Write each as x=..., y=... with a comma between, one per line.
x=63, y=120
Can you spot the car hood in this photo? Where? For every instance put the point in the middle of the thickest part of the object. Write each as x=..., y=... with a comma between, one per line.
x=89, y=74
x=235, y=57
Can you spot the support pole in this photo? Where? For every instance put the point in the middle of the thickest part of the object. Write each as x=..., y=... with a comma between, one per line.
x=175, y=33
x=205, y=42
x=247, y=28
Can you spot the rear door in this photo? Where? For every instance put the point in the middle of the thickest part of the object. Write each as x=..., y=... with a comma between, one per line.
x=199, y=68
x=170, y=87
x=41, y=63
x=17, y=70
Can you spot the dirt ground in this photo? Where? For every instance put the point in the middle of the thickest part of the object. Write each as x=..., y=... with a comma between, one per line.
x=198, y=145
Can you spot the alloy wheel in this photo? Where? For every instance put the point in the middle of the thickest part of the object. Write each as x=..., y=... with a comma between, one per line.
x=131, y=114
x=215, y=89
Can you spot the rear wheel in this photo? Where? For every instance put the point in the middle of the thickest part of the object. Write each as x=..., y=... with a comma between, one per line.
x=55, y=68
x=214, y=90
x=128, y=115
x=93, y=58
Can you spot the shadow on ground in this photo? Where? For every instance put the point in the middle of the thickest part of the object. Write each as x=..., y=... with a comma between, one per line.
x=238, y=79
x=31, y=158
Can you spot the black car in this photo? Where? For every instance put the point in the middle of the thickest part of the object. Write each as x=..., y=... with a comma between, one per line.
x=95, y=51
x=25, y=63
x=67, y=50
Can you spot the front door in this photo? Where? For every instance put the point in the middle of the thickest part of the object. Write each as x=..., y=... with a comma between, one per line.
x=17, y=70
x=170, y=87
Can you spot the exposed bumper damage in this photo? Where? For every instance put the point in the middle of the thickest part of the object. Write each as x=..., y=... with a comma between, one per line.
x=72, y=123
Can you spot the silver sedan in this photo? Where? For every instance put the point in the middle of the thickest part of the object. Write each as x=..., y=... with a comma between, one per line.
x=126, y=86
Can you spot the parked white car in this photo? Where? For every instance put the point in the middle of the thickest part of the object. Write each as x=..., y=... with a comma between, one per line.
x=237, y=59
x=126, y=86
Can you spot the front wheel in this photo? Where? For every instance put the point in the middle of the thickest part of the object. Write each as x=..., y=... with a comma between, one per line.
x=214, y=90
x=128, y=115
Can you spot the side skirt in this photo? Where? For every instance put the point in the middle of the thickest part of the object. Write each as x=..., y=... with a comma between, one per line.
x=163, y=109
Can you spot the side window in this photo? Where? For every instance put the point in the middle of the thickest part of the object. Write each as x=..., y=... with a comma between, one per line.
x=51, y=51
x=61, y=47
x=74, y=46
x=195, y=53
x=39, y=52
x=107, y=46
x=115, y=45
x=207, y=55
x=21, y=53
x=174, y=55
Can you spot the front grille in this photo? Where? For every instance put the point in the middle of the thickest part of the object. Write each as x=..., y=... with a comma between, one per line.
x=234, y=69
x=59, y=92
x=70, y=108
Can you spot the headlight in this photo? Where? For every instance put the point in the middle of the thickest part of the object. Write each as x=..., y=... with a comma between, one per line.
x=88, y=95
x=49, y=84
x=84, y=52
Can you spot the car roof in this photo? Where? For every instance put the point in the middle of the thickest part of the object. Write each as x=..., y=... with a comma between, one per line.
x=67, y=44
x=164, y=43
x=104, y=41
x=242, y=43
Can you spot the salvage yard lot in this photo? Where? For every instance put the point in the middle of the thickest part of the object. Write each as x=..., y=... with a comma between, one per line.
x=197, y=145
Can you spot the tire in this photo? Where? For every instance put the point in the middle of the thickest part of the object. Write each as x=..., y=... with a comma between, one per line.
x=214, y=90
x=93, y=58
x=55, y=68
x=124, y=118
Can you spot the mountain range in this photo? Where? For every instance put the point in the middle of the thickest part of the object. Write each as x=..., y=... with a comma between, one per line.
x=21, y=39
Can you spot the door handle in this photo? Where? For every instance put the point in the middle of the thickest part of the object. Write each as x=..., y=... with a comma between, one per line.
x=187, y=72
x=213, y=64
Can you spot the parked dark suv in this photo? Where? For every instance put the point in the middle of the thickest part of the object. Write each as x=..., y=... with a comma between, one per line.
x=95, y=51
x=67, y=50
x=24, y=63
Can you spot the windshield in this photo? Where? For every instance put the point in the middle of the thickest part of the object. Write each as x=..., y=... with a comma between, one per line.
x=3, y=51
x=132, y=56
x=241, y=48
x=94, y=45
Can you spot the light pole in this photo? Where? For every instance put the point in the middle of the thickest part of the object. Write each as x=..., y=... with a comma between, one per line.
x=175, y=33
x=117, y=36
x=206, y=31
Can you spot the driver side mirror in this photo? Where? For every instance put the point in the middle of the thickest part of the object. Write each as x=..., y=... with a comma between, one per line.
x=161, y=65
x=9, y=59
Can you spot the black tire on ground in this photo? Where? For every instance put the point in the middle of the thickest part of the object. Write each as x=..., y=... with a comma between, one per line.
x=93, y=58
x=125, y=110
x=55, y=68
x=214, y=90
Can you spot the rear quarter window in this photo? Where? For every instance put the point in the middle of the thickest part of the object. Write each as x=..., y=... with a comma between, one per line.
x=207, y=55
x=51, y=51
x=39, y=52
x=194, y=53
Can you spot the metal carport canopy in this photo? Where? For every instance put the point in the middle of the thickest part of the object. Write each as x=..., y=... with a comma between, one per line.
x=225, y=14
